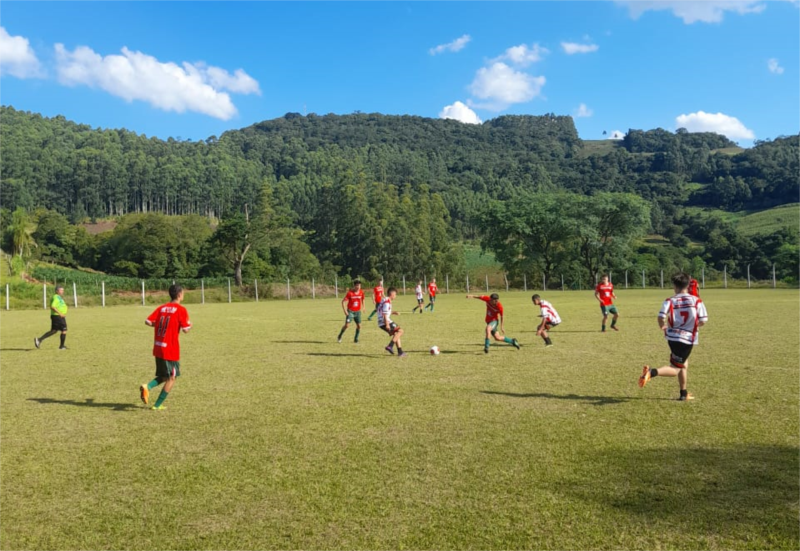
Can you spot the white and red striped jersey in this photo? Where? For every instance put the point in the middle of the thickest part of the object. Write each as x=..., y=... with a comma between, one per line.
x=683, y=313
x=385, y=312
x=549, y=313
x=419, y=292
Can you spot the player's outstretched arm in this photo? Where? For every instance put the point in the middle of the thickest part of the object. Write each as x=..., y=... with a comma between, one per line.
x=148, y=323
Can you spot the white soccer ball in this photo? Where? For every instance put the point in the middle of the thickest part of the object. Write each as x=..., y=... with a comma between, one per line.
x=434, y=350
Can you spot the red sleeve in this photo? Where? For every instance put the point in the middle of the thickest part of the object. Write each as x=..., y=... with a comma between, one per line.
x=154, y=316
x=484, y=298
x=500, y=308
x=185, y=318
x=597, y=288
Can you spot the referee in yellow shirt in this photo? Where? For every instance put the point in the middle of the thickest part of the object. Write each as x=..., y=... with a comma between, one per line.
x=58, y=319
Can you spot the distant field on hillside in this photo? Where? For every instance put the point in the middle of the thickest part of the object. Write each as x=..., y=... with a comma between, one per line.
x=599, y=147
x=759, y=222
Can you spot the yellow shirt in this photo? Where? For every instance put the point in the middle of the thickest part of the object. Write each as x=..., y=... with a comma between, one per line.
x=59, y=305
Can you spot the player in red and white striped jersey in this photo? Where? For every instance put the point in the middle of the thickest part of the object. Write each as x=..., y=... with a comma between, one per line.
x=680, y=318
x=550, y=319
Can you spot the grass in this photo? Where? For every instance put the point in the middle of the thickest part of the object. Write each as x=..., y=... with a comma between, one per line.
x=771, y=220
x=277, y=437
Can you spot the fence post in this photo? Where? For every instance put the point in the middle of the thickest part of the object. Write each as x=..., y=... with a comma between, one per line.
x=525, y=282
x=44, y=295
x=562, y=282
x=229, y=290
x=505, y=276
x=703, y=276
x=774, y=281
x=595, y=279
x=544, y=283
x=643, y=279
x=662, y=278
x=610, y=279
x=288, y=290
x=748, y=276
x=255, y=284
x=142, y=292
x=626, y=279
x=487, y=282
x=313, y=289
x=404, y=285
x=725, y=277
x=74, y=294
x=202, y=291
x=336, y=285
x=7, y=304
x=467, y=283
x=103, y=292
x=447, y=283
x=425, y=279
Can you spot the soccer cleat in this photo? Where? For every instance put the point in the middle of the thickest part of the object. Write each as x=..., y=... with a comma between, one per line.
x=37, y=342
x=144, y=394
x=339, y=340
x=486, y=350
x=63, y=348
x=515, y=343
x=686, y=398
x=548, y=345
x=159, y=408
x=389, y=349
x=645, y=377
x=402, y=355
x=614, y=328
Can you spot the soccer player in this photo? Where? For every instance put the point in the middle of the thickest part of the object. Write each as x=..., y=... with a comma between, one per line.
x=169, y=320
x=58, y=319
x=432, y=290
x=385, y=323
x=604, y=293
x=550, y=319
x=355, y=301
x=494, y=316
x=377, y=297
x=420, y=297
x=680, y=318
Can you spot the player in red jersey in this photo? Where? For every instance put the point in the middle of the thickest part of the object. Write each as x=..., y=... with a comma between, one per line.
x=377, y=297
x=494, y=316
x=680, y=318
x=169, y=320
x=432, y=290
x=354, y=299
x=604, y=293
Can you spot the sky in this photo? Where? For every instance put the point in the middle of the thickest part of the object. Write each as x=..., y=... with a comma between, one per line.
x=192, y=70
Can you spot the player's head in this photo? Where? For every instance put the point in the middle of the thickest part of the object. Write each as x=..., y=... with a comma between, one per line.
x=433, y=280
x=392, y=292
x=357, y=284
x=494, y=298
x=420, y=282
x=680, y=282
x=536, y=299
x=604, y=279
x=59, y=289
x=175, y=291
x=380, y=283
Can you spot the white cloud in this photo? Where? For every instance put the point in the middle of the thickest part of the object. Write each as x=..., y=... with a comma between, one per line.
x=707, y=11
x=583, y=111
x=454, y=46
x=17, y=57
x=772, y=65
x=571, y=48
x=616, y=135
x=711, y=122
x=523, y=55
x=459, y=112
x=168, y=86
x=503, y=86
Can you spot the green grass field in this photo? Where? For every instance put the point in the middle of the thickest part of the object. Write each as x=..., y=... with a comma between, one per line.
x=758, y=222
x=277, y=437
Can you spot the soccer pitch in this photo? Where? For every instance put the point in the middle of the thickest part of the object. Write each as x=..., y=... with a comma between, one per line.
x=277, y=437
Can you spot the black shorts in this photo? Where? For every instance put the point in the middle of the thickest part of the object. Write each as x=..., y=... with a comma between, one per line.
x=166, y=368
x=391, y=329
x=680, y=352
x=57, y=323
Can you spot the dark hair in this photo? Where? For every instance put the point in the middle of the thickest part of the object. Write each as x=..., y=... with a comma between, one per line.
x=356, y=282
x=494, y=296
x=536, y=297
x=391, y=290
x=175, y=291
x=59, y=287
x=681, y=280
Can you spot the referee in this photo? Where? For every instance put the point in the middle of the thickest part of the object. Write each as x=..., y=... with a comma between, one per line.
x=58, y=319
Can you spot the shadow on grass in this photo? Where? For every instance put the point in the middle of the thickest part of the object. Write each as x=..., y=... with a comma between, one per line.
x=88, y=403
x=16, y=349
x=304, y=342
x=746, y=492
x=595, y=400
x=346, y=355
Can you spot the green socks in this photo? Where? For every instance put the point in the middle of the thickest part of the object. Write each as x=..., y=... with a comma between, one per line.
x=161, y=398
x=506, y=339
x=357, y=332
x=486, y=343
x=152, y=384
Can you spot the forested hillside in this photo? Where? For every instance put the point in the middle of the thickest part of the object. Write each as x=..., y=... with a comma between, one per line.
x=351, y=187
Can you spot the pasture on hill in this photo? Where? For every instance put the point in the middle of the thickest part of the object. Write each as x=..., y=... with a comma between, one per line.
x=277, y=437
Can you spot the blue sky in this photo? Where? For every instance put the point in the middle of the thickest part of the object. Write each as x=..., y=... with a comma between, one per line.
x=197, y=69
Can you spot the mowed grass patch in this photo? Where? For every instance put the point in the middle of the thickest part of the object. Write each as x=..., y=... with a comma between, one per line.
x=278, y=437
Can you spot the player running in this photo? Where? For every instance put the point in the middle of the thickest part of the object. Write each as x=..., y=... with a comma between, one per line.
x=169, y=320
x=550, y=319
x=432, y=290
x=494, y=316
x=377, y=297
x=355, y=301
x=385, y=323
x=58, y=319
x=680, y=318
x=420, y=297
x=604, y=293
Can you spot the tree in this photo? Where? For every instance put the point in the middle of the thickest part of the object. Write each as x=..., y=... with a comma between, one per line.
x=20, y=235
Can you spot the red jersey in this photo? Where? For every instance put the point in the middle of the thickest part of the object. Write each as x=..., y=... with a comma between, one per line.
x=492, y=312
x=355, y=299
x=694, y=288
x=605, y=290
x=168, y=320
x=377, y=294
x=432, y=288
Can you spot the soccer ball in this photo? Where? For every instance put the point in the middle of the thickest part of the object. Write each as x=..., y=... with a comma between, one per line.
x=434, y=350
